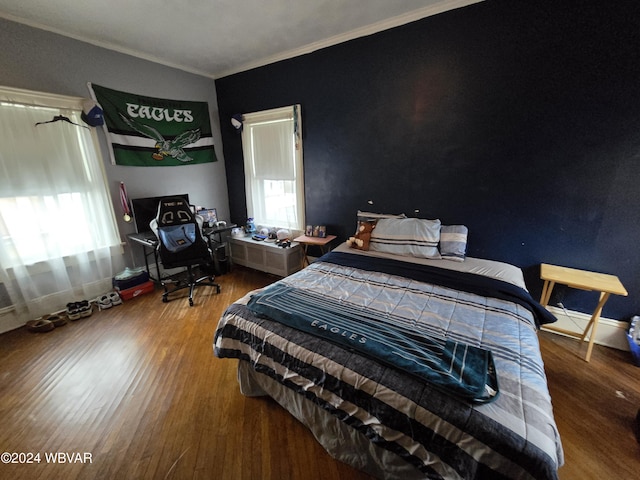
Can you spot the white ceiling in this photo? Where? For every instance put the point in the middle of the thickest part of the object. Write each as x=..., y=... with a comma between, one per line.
x=219, y=37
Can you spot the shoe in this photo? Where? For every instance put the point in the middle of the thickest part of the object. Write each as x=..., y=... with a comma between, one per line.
x=115, y=298
x=73, y=311
x=104, y=302
x=40, y=326
x=57, y=320
x=77, y=310
x=86, y=309
x=128, y=273
x=108, y=300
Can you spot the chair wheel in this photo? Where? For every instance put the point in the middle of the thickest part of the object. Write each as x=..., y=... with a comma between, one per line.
x=191, y=302
x=165, y=299
x=218, y=289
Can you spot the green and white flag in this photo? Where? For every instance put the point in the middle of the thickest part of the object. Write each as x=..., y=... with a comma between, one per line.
x=154, y=132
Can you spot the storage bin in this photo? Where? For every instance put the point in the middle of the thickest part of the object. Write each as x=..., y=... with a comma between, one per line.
x=131, y=279
x=632, y=337
x=133, y=292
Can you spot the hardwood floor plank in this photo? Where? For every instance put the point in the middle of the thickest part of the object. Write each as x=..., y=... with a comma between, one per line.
x=138, y=387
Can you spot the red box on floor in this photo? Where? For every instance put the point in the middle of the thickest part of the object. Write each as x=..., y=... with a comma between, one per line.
x=133, y=292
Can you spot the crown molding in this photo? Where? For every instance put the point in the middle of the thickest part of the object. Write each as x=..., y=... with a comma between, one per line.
x=106, y=45
x=414, y=15
x=434, y=9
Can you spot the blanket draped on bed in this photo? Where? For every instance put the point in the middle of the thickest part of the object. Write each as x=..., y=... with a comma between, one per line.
x=462, y=370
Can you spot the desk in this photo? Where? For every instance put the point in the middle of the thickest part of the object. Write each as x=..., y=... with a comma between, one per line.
x=218, y=245
x=210, y=231
x=305, y=241
x=582, y=280
x=149, y=243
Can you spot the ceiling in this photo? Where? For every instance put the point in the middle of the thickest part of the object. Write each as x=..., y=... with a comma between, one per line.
x=216, y=38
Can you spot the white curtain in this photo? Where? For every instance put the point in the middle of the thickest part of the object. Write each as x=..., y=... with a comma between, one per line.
x=59, y=240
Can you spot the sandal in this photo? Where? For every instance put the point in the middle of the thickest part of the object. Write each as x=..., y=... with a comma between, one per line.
x=57, y=320
x=40, y=326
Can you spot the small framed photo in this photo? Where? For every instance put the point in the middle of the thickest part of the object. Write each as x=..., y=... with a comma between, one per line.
x=210, y=216
x=309, y=231
x=320, y=231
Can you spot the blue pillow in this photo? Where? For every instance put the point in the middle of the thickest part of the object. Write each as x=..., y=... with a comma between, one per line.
x=453, y=242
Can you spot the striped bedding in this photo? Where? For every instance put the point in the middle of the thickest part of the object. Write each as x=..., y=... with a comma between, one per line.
x=430, y=432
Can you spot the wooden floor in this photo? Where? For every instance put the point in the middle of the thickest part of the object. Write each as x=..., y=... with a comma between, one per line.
x=595, y=405
x=135, y=393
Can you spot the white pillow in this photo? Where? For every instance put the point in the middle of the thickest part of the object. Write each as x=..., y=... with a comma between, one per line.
x=413, y=237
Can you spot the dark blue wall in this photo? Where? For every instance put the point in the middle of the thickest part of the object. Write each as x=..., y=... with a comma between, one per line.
x=520, y=120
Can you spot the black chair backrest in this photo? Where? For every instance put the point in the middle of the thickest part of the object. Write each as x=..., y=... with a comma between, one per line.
x=181, y=240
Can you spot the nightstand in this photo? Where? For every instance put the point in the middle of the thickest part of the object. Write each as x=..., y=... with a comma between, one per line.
x=321, y=242
x=582, y=280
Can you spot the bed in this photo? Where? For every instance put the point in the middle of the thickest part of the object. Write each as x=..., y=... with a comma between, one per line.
x=300, y=341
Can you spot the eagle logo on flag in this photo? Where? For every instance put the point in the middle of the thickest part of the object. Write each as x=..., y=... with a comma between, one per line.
x=165, y=148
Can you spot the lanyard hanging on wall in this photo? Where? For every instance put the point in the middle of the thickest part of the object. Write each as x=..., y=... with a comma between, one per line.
x=124, y=201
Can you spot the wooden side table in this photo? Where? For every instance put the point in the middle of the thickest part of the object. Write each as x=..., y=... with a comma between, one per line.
x=582, y=280
x=305, y=241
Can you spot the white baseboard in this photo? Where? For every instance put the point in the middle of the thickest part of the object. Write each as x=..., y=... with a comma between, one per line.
x=610, y=333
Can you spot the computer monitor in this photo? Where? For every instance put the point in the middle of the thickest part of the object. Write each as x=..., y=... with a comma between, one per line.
x=145, y=209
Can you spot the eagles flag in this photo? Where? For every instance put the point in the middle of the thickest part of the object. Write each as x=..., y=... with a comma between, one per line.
x=147, y=131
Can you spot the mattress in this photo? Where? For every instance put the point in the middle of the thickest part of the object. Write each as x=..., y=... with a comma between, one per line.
x=384, y=418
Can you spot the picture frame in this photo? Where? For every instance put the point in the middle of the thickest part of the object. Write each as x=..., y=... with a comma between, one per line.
x=320, y=231
x=209, y=215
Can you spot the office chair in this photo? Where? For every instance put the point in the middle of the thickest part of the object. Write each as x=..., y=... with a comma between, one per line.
x=181, y=244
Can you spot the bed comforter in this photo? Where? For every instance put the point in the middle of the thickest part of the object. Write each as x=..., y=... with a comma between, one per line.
x=435, y=430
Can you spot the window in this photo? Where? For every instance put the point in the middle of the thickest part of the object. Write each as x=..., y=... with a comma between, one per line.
x=58, y=232
x=274, y=178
